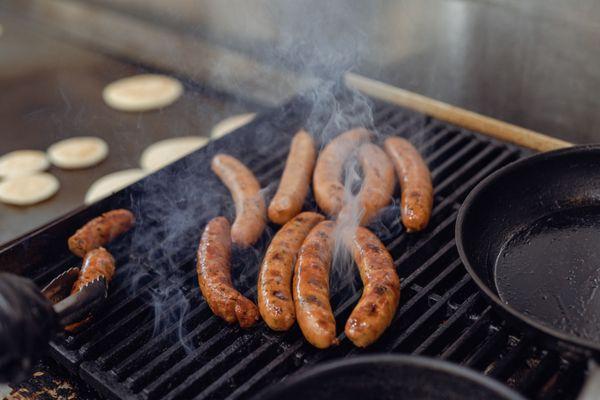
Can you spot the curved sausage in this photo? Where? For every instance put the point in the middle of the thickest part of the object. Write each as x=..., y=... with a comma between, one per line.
x=96, y=263
x=311, y=286
x=327, y=178
x=381, y=294
x=415, y=183
x=295, y=180
x=275, y=277
x=100, y=231
x=214, y=276
x=377, y=186
x=249, y=204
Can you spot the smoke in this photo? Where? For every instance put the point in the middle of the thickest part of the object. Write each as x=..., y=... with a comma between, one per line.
x=299, y=36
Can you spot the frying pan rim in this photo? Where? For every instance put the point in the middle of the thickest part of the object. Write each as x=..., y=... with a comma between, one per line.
x=456, y=370
x=459, y=239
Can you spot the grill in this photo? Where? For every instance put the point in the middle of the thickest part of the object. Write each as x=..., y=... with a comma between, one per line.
x=127, y=353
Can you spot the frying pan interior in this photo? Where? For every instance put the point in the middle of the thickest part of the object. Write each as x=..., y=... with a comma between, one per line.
x=385, y=377
x=530, y=236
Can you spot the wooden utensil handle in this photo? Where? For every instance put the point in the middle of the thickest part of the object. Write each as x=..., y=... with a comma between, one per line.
x=455, y=115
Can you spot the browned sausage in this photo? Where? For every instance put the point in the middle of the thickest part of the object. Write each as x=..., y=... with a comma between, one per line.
x=214, y=276
x=249, y=204
x=415, y=183
x=96, y=263
x=327, y=179
x=311, y=286
x=381, y=294
x=295, y=180
x=275, y=277
x=377, y=186
x=100, y=231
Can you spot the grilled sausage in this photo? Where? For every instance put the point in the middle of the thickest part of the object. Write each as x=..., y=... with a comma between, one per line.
x=311, y=286
x=295, y=180
x=214, y=276
x=327, y=178
x=96, y=263
x=377, y=186
x=249, y=204
x=415, y=183
x=275, y=277
x=100, y=231
x=381, y=294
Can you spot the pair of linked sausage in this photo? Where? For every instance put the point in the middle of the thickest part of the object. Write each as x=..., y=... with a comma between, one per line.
x=250, y=219
x=275, y=276
x=214, y=276
x=377, y=305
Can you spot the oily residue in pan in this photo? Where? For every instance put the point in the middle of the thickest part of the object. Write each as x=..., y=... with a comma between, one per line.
x=551, y=271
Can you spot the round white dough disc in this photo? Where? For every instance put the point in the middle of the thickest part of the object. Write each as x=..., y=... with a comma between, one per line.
x=28, y=189
x=165, y=152
x=230, y=124
x=78, y=152
x=112, y=183
x=142, y=92
x=23, y=162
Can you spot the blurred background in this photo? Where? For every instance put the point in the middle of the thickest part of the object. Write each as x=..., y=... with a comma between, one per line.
x=532, y=63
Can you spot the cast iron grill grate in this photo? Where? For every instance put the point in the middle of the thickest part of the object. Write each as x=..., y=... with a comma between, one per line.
x=441, y=312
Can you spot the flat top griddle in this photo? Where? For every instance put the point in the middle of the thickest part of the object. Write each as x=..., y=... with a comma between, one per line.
x=190, y=353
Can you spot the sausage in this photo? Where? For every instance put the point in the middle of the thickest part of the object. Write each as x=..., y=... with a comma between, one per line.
x=295, y=180
x=100, y=231
x=96, y=263
x=311, y=286
x=214, y=276
x=250, y=219
x=381, y=293
x=327, y=178
x=415, y=182
x=275, y=276
x=377, y=186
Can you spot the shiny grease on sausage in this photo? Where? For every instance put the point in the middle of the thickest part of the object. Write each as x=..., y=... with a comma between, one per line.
x=275, y=276
x=96, y=263
x=377, y=186
x=214, y=276
x=328, y=187
x=415, y=183
x=295, y=180
x=250, y=219
x=381, y=293
x=100, y=231
x=311, y=286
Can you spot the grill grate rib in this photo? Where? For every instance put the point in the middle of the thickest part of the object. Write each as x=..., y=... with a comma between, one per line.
x=441, y=313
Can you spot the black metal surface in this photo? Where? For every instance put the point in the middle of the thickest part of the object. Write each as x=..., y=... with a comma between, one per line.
x=442, y=313
x=385, y=376
x=529, y=235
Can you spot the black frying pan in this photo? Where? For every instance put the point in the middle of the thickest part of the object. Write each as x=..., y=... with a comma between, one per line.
x=529, y=235
x=383, y=377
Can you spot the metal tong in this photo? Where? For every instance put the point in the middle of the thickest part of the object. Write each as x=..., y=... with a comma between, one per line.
x=72, y=308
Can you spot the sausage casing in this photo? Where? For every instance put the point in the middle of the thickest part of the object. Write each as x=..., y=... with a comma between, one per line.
x=381, y=293
x=275, y=277
x=295, y=180
x=311, y=286
x=100, y=231
x=250, y=219
x=377, y=186
x=327, y=178
x=214, y=276
x=415, y=183
x=96, y=263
